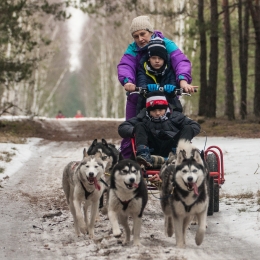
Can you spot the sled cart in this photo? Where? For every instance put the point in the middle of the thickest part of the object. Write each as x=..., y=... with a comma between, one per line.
x=214, y=159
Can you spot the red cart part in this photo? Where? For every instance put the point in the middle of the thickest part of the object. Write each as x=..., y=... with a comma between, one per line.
x=219, y=175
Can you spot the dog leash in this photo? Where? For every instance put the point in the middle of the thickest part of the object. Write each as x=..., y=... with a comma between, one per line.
x=163, y=198
x=104, y=182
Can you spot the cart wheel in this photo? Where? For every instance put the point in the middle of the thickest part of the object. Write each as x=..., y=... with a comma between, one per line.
x=212, y=162
x=213, y=187
x=216, y=197
x=211, y=197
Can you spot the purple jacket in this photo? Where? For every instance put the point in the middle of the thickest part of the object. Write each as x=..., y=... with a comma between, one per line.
x=130, y=62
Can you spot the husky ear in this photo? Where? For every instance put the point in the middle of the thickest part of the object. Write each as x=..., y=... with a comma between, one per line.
x=109, y=163
x=120, y=157
x=202, y=155
x=181, y=156
x=98, y=155
x=104, y=142
x=94, y=143
x=85, y=154
x=197, y=157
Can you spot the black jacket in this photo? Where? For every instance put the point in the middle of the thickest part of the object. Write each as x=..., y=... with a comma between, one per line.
x=176, y=121
x=144, y=78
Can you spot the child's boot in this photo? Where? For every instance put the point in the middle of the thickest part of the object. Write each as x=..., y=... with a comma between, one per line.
x=143, y=156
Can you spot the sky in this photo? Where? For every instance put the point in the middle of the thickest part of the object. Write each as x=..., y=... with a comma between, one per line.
x=75, y=27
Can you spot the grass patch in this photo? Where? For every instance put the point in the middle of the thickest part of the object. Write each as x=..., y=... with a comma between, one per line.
x=246, y=195
x=6, y=156
x=242, y=210
x=2, y=169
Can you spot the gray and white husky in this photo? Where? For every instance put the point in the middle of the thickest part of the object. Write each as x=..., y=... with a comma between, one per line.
x=82, y=184
x=127, y=198
x=187, y=195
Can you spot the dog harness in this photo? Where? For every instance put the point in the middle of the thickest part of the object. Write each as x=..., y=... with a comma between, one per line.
x=125, y=203
x=87, y=193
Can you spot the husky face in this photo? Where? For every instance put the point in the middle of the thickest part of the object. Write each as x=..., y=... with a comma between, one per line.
x=127, y=174
x=107, y=150
x=190, y=172
x=92, y=168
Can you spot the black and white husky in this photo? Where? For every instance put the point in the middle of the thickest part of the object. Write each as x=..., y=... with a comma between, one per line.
x=188, y=194
x=82, y=185
x=127, y=198
x=108, y=150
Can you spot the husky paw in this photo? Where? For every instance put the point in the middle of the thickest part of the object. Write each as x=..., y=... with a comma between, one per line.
x=91, y=232
x=117, y=233
x=104, y=211
x=83, y=230
x=137, y=243
x=181, y=245
x=199, y=239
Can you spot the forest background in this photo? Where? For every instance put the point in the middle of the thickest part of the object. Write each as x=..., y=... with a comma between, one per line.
x=63, y=55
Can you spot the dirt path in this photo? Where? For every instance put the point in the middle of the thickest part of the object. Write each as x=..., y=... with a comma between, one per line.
x=35, y=222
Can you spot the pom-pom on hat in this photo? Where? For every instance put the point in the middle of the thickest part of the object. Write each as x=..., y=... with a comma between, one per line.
x=156, y=100
x=156, y=47
x=141, y=23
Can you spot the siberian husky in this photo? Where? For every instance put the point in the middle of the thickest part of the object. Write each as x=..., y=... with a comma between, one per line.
x=190, y=196
x=81, y=184
x=107, y=150
x=127, y=198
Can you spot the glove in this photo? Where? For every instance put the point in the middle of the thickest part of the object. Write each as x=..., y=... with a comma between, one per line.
x=152, y=87
x=169, y=88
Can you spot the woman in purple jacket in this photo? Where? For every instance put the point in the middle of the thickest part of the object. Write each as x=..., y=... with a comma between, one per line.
x=142, y=32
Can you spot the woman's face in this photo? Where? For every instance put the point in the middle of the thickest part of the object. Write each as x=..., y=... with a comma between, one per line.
x=142, y=37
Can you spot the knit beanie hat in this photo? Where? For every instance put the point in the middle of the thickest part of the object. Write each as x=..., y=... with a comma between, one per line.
x=141, y=23
x=156, y=100
x=156, y=47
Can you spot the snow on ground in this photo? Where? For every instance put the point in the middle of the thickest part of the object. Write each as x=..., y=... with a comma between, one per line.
x=242, y=176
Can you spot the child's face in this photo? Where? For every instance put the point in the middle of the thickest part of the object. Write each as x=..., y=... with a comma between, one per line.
x=156, y=62
x=156, y=113
x=142, y=37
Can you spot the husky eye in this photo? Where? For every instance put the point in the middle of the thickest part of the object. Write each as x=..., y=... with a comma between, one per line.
x=194, y=171
x=134, y=171
x=104, y=157
x=184, y=171
x=125, y=171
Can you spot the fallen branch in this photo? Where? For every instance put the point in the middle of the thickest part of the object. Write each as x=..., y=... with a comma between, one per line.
x=257, y=169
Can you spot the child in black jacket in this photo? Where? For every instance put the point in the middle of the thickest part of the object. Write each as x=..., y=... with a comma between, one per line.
x=156, y=72
x=157, y=127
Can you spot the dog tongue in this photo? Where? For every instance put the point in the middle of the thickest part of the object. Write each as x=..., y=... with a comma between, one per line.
x=135, y=185
x=97, y=186
x=195, y=188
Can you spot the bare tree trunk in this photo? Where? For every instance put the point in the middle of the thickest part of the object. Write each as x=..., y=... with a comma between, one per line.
x=229, y=99
x=243, y=55
x=203, y=60
x=255, y=13
x=213, y=61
